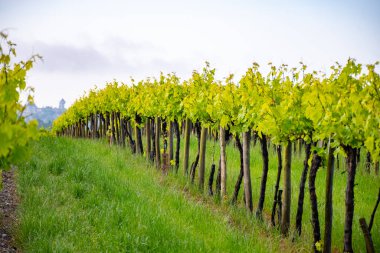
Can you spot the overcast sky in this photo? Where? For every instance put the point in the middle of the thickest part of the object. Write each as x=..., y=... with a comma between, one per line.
x=87, y=43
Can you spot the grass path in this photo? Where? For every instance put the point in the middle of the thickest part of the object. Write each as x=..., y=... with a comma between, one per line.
x=84, y=196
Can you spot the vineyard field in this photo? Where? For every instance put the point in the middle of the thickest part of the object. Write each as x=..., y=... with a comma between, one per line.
x=190, y=127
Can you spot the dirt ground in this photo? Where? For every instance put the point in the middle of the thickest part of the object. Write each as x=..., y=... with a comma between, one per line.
x=8, y=204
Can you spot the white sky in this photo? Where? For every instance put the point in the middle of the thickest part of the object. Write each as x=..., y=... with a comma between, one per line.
x=86, y=43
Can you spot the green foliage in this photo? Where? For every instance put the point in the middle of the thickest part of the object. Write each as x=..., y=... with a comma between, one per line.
x=286, y=104
x=15, y=133
x=198, y=104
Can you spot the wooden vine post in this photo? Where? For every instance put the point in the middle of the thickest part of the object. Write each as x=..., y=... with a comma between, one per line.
x=329, y=200
x=223, y=165
x=285, y=221
x=187, y=146
x=148, y=139
x=247, y=171
x=157, y=142
x=202, y=158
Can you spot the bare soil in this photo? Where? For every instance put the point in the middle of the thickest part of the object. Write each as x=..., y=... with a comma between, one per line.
x=8, y=205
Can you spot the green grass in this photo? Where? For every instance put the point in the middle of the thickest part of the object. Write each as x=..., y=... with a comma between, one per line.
x=84, y=196
x=366, y=192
